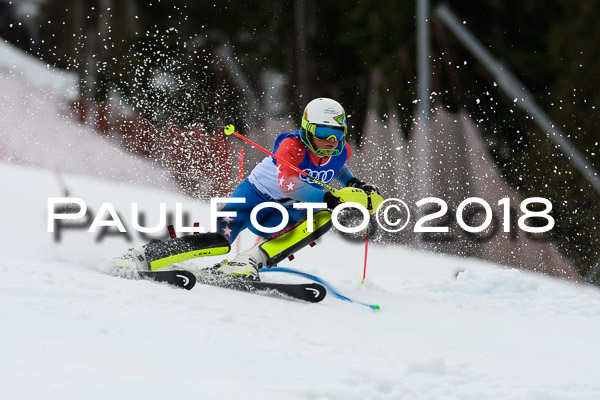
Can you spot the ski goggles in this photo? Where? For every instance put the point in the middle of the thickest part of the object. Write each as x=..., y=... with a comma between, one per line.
x=325, y=133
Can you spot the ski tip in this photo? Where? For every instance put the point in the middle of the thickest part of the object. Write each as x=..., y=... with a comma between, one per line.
x=229, y=129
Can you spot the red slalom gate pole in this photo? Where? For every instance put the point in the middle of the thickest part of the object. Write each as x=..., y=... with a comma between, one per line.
x=366, y=250
x=241, y=160
x=241, y=165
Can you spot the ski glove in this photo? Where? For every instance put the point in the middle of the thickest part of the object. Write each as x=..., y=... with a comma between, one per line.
x=372, y=191
x=357, y=183
x=346, y=195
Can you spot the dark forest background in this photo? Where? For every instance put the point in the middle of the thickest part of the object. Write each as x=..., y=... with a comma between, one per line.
x=203, y=63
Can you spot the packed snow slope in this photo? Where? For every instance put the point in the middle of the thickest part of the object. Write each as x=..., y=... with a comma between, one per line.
x=71, y=330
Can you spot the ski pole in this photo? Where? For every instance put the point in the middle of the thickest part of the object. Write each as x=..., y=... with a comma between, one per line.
x=366, y=250
x=230, y=129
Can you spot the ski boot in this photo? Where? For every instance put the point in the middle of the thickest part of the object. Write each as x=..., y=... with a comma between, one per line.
x=246, y=264
x=276, y=248
x=133, y=259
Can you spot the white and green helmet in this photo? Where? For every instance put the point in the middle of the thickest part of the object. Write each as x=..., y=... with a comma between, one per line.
x=324, y=118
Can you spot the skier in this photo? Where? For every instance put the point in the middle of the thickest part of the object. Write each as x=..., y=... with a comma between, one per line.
x=318, y=148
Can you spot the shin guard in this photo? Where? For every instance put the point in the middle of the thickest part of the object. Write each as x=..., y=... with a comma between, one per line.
x=287, y=243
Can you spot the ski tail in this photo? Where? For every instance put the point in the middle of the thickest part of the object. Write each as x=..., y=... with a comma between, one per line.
x=182, y=279
x=328, y=286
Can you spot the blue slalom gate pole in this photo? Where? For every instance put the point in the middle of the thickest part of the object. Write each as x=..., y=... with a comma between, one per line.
x=330, y=289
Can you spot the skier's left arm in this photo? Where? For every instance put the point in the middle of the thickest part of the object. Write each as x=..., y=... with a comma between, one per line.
x=347, y=178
